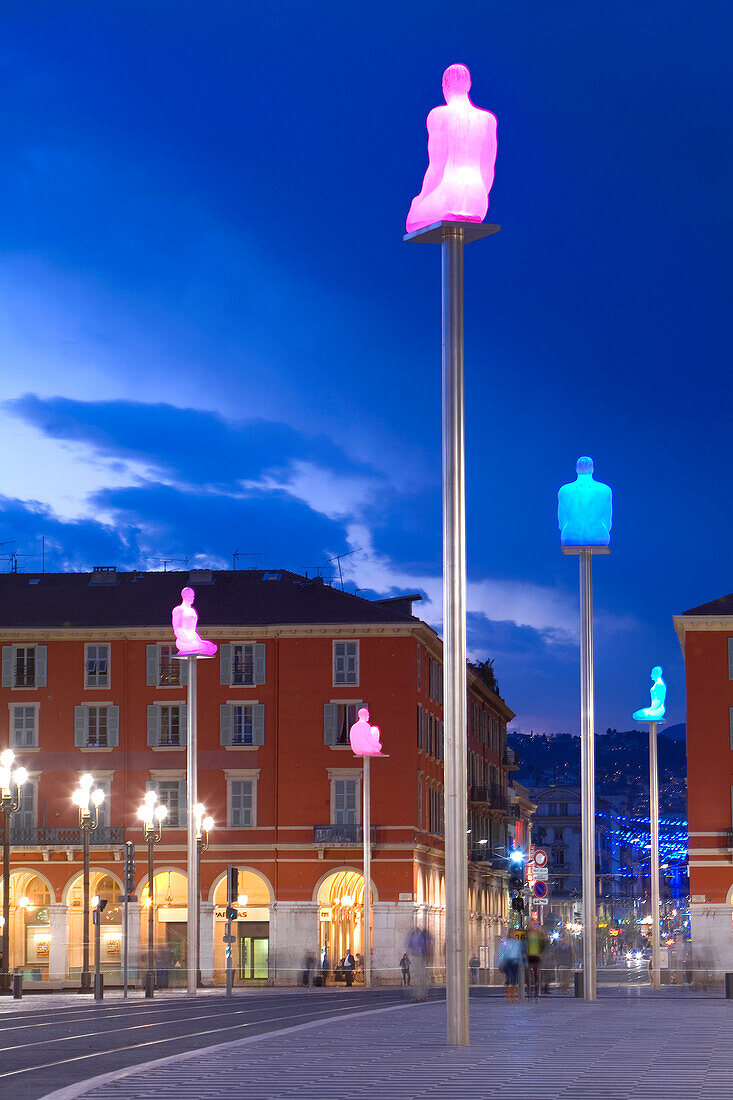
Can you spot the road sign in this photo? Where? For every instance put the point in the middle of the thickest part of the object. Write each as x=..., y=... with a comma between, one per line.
x=541, y=901
x=229, y=939
x=540, y=889
x=540, y=874
x=540, y=857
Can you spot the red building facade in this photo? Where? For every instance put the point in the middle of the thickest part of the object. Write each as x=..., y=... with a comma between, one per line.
x=706, y=637
x=89, y=685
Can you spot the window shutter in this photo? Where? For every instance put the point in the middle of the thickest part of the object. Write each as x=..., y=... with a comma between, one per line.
x=113, y=726
x=258, y=724
x=225, y=663
x=730, y=660
x=182, y=815
x=184, y=672
x=259, y=663
x=151, y=666
x=41, y=661
x=183, y=723
x=81, y=716
x=153, y=724
x=330, y=723
x=7, y=666
x=226, y=720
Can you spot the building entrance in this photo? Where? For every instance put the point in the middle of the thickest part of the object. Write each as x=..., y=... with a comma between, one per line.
x=341, y=919
x=253, y=951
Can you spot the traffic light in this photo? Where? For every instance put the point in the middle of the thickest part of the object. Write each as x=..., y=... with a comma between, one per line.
x=232, y=913
x=100, y=904
x=516, y=869
x=129, y=871
x=517, y=903
x=232, y=885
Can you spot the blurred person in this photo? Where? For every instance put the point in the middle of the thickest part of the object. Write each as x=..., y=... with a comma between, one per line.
x=511, y=958
x=418, y=945
x=473, y=965
x=325, y=965
x=405, y=968
x=536, y=946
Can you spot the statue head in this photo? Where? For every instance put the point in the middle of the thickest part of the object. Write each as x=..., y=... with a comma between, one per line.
x=657, y=672
x=456, y=81
x=584, y=465
x=187, y=594
x=364, y=714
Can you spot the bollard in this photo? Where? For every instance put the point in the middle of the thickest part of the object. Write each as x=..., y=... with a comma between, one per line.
x=17, y=986
x=578, y=980
x=149, y=983
x=729, y=986
x=98, y=987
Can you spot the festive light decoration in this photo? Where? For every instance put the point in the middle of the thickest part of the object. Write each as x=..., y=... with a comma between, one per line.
x=658, y=692
x=365, y=739
x=185, y=621
x=585, y=508
x=461, y=158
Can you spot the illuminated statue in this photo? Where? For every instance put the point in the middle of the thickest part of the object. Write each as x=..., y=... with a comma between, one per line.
x=584, y=509
x=658, y=690
x=364, y=738
x=185, y=618
x=461, y=157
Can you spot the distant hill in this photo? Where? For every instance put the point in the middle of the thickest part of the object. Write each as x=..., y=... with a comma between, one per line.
x=676, y=733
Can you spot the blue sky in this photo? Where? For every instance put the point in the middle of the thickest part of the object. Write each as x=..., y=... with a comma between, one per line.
x=212, y=336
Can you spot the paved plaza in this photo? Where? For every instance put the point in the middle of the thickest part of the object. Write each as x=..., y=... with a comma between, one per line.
x=622, y=1047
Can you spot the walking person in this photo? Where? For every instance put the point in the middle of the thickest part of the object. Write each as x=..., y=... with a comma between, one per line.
x=418, y=944
x=536, y=944
x=405, y=968
x=510, y=959
x=473, y=965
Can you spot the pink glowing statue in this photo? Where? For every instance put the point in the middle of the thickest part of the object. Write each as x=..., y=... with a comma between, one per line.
x=189, y=643
x=461, y=157
x=364, y=738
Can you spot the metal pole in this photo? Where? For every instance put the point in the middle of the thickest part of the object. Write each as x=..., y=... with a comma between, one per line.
x=192, y=846
x=6, y=899
x=654, y=870
x=366, y=834
x=86, y=978
x=587, y=767
x=454, y=641
x=97, y=959
x=198, y=912
x=151, y=908
x=125, y=929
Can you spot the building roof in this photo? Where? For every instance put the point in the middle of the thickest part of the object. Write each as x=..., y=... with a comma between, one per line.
x=722, y=606
x=242, y=597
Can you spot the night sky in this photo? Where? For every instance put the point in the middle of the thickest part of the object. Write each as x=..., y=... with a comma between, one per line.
x=213, y=337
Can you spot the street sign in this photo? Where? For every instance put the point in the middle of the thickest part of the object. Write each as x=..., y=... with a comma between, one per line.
x=540, y=857
x=229, y=939
x=540, y=889
x=541, y=901
x=540, y=874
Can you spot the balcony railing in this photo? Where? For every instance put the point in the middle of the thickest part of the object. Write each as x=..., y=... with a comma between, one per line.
x=494, y=796
x=344, y=836
x=482, y=853
x=46, y=835
x=479, y=794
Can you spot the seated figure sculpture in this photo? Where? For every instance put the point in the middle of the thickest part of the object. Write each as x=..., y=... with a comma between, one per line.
x=584, y=509
x=658, y=691
x=185, y=619
x=364, y=738
x=461, y=158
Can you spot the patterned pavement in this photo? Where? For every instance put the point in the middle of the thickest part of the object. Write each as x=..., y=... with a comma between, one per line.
x=645, y=1048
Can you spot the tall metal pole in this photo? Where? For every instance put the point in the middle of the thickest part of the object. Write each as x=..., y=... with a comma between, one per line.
x=151, y=909
x=199, y=845
x=125, y=945
x=654, y=870
x=192, y=937
x=454, y=641
x=6, y=898
x=86, y=977
x=367, y=838
x=587, y=767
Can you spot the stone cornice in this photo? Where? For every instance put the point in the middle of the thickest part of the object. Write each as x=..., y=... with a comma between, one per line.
x=216, y=633
x=683, y=623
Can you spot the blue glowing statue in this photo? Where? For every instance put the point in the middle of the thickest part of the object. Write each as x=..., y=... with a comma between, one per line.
x=584, y=508
x=655, y=712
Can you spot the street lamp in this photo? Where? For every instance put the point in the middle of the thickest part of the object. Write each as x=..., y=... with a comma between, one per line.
x=152, y=817
x=204, y=825
x=88, y=798
x=11, y=785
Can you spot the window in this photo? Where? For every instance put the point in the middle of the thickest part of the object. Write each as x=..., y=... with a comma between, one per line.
x=439, y=740
x=338, y=718
x=26, y=815
x=346, y=662
x=96, y=727
x=96, y=666
x=241, y=802
x=105, y=810
x=24, y=727
x=558, y=858
x=730, y=659
x=167, y=725
x=24, y=666
x=419, y=668
x=436, y=681
x=344, y=801
x=730, y=723
x=172, y=794
x=163, y=668
x=242, y=724
x=420, y=727
x=242, y=665
x=436, y=812
x=419, y=801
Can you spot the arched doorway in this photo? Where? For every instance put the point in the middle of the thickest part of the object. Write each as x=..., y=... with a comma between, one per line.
x=106, y=886
x=169, y=903
x=30, y=932
x=341, y=917
x=251, y=930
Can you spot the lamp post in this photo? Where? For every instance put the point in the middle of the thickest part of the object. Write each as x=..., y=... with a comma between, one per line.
x=88, y=798
x=204, y=825
x=11, y=786
x=152, y=817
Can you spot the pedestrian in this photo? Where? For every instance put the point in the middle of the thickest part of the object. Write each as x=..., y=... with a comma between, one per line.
x=510, y=959
x=308, y=965
x=405, y=968
x=536, y=944
x=348, y=966
x=418, y=945
x=473, y=965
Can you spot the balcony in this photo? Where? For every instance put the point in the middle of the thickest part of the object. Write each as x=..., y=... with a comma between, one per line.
x=494, y=797
x=341, y=836
x=44, y=836
x=482, y=853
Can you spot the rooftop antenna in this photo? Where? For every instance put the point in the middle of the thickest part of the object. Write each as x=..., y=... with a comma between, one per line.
x=338, y=557
x=165, y=562
x=243, y=554
x=13, y=558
